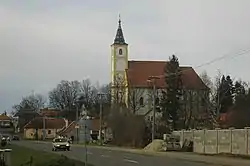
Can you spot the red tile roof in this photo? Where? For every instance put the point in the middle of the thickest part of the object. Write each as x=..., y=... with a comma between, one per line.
x=139, y=71
x=50, y=123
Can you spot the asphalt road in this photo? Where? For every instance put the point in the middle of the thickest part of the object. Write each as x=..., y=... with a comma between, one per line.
x=105, y=157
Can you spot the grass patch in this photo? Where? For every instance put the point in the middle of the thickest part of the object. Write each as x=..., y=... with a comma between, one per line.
x=23, y=156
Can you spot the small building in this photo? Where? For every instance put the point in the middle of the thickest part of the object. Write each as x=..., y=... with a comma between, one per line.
x=23, y=117
x=34, y=129
x=6, y=124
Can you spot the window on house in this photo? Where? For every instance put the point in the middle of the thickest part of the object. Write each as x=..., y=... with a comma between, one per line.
x=120, y=51
x=203, y=101
x=157, y=101
x=141, y=101
x=49, y=131
x=151, y=118
x=148, y=118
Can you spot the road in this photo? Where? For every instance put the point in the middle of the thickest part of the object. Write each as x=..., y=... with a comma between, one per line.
x=105, y=157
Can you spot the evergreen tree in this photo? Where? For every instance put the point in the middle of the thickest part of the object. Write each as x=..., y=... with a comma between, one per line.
x=239, y=114
x=240, y=92
x=225, y=94
x=170, y=99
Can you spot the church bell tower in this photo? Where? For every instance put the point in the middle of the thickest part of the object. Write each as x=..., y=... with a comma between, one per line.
x=119, y=56
x=119, y=61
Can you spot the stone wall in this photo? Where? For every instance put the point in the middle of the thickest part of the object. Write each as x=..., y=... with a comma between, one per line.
x=233, y=141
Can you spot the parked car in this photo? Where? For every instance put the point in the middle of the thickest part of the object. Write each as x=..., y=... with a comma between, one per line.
x=7, y=138
x=3, y=142
x=60, y=144
x=16, y=138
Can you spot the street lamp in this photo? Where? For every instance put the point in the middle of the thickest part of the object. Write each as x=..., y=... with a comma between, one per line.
x=152, y=79
x=78, y=101
x=77, y=104
x=100, y=114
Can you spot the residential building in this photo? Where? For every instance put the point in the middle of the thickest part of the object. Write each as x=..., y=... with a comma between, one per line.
x=23, y=117
x=34, y=129
x=127, y=74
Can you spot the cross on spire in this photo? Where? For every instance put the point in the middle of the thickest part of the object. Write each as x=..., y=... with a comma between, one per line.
x=119, y=20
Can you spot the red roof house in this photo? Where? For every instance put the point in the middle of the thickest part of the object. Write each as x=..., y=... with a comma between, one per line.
x=34, y=129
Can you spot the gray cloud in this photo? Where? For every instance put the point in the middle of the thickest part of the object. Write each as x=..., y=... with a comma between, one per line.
x=46, y=41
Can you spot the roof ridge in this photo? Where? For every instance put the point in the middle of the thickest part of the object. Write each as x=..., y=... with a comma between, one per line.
x=30, y=122
x=139, y=71
x=189, y=66
x=131, y=60
x=65, y=129
x=71, y=123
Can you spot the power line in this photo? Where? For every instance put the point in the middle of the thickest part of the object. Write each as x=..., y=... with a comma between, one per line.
x=241, y=52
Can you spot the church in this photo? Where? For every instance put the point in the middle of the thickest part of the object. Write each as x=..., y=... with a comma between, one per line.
x=128, y=73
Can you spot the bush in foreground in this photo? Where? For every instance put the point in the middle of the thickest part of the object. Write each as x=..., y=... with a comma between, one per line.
x=23, y=156
x=62, y=161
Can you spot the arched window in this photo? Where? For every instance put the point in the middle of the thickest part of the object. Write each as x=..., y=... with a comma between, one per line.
x=120, y=51
x=141, y=101
x=157, y=101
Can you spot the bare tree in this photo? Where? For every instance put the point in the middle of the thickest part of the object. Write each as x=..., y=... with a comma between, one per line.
x=135, y=98
x=106, y=89
x=31, y=103
x=127, y=129
x=212, y=103
x=206, y=79
x=28, y=107
x=118, y=90
x=197, y=106
x=65, y=94
x=89, y=95
x=188, y=109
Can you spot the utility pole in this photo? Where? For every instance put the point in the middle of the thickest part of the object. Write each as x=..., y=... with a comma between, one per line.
x=85, y=139
x=100, y=115
x=44, y=127
x=77, y=123
x=152, y=79
x=153, y=125
x=120, y=101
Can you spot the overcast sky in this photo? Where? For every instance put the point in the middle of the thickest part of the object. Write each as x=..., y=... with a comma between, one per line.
x=43, y=42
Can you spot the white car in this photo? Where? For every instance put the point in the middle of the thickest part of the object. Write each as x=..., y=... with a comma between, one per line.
x=60, y=144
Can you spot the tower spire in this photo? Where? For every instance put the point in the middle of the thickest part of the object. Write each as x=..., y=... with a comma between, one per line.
x=119, y=38
x=119, y=20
